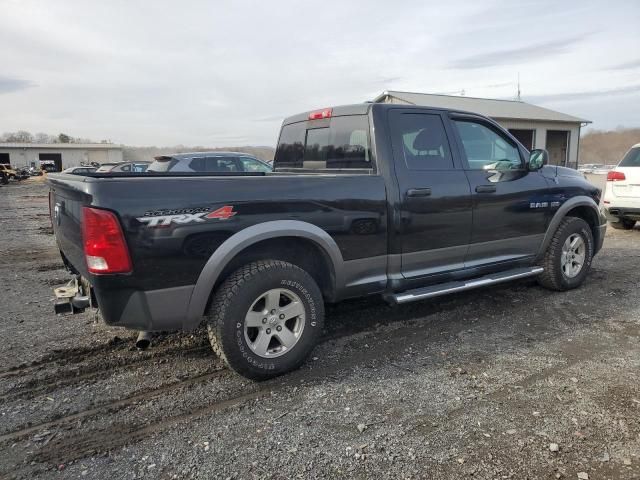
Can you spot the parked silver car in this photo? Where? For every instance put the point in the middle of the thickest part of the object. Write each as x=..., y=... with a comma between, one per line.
x=124, y=167
x=209, y=162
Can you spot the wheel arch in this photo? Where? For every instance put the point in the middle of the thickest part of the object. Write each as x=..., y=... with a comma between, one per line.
x=301, y=243
x=582, y=207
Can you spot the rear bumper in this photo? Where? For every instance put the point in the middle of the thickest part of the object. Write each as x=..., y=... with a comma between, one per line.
x=152, y=310
x=615, y=213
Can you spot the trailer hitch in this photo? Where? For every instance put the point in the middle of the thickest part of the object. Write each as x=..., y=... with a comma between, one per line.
x=73, y=297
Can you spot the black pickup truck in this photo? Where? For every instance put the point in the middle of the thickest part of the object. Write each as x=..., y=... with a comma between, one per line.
x=401, y=201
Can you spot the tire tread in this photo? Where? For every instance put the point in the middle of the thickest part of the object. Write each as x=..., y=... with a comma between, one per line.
x=226, y=293
x=549, y=277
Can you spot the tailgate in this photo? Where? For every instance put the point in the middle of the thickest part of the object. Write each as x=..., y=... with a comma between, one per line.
x=67, y=195
x=630, y=186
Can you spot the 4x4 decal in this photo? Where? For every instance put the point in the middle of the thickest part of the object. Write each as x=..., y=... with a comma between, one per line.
x=164, y=218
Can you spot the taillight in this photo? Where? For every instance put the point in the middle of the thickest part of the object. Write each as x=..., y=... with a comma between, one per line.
x=614, y=176
x=104, y=246
x=320, y=114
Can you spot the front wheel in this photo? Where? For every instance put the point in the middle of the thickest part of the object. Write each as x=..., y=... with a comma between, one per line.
x=265, y=319
x=568, y=257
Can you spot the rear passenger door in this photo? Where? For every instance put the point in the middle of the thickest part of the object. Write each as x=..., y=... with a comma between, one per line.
x=511, y=205
x=435, y=199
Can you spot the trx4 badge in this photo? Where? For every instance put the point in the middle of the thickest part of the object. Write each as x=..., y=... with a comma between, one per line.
x=182, y=216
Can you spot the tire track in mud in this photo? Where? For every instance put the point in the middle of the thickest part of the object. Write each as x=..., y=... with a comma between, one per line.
x=120, y=435
x=110, y=407
x=76, y=447
x=97, y=371
x=80, y=354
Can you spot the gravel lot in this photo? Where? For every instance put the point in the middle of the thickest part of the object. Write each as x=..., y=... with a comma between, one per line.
x=508, y=382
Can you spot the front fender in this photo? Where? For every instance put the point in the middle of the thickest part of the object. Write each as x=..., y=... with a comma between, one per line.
x=561, y=213
x=247, y=237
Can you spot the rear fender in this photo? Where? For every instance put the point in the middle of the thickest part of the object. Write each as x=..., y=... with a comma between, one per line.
x=247, y=237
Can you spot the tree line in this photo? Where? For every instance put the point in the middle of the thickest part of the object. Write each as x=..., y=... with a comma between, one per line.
x=22, y=136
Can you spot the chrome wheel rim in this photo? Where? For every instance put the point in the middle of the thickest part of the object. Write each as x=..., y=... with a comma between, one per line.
x=573, y=255
x=274, y=323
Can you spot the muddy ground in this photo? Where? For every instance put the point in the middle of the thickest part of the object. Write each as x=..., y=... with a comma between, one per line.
x=476, y=385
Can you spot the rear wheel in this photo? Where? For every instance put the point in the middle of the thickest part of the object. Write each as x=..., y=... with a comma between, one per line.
x=265, y=319
x=624, y=224
x=568, y=257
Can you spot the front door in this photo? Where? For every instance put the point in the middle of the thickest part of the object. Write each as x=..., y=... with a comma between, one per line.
x=511, y=206
x=435, y=200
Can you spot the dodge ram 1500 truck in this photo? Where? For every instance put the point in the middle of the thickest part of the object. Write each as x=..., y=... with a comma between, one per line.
x=401, y=201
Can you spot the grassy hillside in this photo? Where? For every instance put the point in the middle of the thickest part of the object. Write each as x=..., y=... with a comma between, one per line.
x=607, y=147
x=147, y=153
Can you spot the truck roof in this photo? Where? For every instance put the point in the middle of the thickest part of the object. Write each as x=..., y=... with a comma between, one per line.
x=363, y=109
x=354, y=109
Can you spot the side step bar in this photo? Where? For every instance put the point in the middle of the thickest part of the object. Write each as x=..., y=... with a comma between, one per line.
x=451, y=287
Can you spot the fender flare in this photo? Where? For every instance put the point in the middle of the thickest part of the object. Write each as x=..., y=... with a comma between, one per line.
x=561, y=213
x=250, y=236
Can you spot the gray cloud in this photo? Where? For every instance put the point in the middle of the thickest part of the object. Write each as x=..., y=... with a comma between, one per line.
x=8, y=84
x=227, y=73
x=558, y=97
x=626, y=66
x=520, y=54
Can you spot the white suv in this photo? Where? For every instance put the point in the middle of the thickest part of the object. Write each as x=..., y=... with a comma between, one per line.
x=622, y=193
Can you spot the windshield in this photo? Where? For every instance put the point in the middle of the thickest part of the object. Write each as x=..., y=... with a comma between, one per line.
x=631, y=159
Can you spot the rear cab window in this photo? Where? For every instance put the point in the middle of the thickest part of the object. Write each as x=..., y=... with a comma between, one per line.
x=336, y=143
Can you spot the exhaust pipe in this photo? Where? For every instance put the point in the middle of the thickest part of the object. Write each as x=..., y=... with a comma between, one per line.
x=144, y=340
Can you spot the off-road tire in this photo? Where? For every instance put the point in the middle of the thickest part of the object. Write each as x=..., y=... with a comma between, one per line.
x=623, y=224
x=553, y=277
x=233, y=299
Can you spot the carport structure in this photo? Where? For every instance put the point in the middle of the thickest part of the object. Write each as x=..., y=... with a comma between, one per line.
x=533, y=126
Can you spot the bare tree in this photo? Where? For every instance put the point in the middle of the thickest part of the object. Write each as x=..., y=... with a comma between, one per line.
x=43, y=138
x=21, y=136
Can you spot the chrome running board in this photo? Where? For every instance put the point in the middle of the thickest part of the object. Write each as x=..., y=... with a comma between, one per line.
x=459, y=286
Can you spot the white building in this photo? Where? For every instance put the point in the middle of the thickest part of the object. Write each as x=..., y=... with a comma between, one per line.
x=62, y=155
x=533, y=126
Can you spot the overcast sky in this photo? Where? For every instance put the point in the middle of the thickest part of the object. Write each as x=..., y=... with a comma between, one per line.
x=225, y=73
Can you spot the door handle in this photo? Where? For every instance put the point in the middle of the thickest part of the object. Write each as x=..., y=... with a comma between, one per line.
x=486, y=188
x=418, y=192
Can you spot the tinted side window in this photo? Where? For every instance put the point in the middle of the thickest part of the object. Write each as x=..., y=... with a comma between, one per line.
x=486, y=149
x=291, y=145
x=222, y=164
x=344, y=143
x=421, y=140
x=252, y=165
x=214, y=164
x=197, y=165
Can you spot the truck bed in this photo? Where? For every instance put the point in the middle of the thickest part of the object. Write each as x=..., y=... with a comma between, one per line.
x=169, y=257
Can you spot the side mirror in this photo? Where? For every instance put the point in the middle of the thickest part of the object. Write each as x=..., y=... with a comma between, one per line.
x=537, y=159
